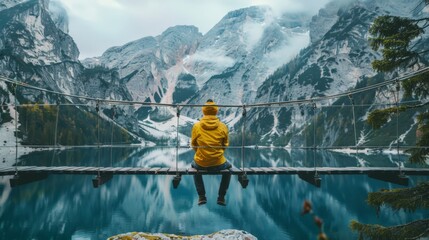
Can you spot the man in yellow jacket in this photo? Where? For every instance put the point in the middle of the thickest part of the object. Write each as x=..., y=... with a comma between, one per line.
x=209, y=140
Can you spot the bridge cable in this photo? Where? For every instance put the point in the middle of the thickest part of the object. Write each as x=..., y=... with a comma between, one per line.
x=97, y=109
x=56, y=132
x=306, y=136
x=316, y=99
x=15, y=86
x=111, y=134
x=314, y=136
x=177, y=139
x=354, y=120
x=243, y=128
x=398, y=88
x=56, y=123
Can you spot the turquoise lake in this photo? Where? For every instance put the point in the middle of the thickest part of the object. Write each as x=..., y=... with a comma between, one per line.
x=68, y=207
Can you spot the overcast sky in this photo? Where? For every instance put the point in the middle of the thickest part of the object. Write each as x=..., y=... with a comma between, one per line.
x=96, y=25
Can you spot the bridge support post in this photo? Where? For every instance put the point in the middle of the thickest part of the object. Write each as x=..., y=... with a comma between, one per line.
x=24, y=178
x=101, y=179
x=244, y=181
x=392, y=177
x=311, y=177
x=176, y=181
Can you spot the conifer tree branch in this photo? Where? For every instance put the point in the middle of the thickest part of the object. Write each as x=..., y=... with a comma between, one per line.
x=412, y=230
x=408, y=199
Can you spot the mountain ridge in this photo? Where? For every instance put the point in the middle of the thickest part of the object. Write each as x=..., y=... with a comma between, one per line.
x=250, y=56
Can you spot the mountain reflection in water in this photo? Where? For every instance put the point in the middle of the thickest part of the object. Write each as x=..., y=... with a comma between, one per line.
x=68, y=207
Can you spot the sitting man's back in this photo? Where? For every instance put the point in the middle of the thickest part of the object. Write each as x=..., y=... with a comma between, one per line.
x=209, y=140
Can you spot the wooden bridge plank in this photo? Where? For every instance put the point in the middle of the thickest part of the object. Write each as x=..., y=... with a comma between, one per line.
x=60, y=168
x=142, y=170
x=268, y=170
x=92, y=169
x=286, y=170
x=116, y=169
x=162, y=171
x=276, y=169
x=192, y=171
x=25, y=168
x=179, y=171
x=257, y=170
x=153, y=170
x=86, y=169
x=6, y=169
x=129, y=170
x=73, y=169
x=236, y=171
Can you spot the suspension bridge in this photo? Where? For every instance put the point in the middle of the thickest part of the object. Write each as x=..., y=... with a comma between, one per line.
x=398, y=175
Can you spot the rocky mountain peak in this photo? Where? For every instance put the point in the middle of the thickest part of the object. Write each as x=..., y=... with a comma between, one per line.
x=59, y=15
x=28, y=29
x=4, y=4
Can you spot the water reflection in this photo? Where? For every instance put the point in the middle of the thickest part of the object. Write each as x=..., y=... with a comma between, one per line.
x=67, y=207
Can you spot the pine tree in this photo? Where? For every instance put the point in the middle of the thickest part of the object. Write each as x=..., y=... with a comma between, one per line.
x=397, y=38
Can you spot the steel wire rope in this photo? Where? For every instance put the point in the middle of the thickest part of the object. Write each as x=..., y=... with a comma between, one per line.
x=56, y=125
x=111, y=135
x=97, y=109
x=243, y=130
x=354, y=120
x=177, y=139
x=396, y=94
x=306, y=138
x=314, y=136
x=280, y=106
x=16, y=129
x=215, y=147
x=385, y=83
x=268, y=104
x=55, y=133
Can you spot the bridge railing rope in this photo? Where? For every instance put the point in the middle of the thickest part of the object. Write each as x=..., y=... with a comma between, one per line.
x=312, y=101
x=250, y=105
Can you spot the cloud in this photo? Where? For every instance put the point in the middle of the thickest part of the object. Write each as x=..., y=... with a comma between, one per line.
x=99, y=24
x=288, y=51
x=215, y=57
x=288, y=6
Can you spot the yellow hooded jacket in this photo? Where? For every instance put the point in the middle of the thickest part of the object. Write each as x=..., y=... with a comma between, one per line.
x=207, y=133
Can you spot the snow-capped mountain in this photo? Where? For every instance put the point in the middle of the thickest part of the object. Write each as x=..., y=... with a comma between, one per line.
x=339, y=59
x=242, y=50
x=183, y=66
x=35, y=48
x=9, y=3
x=251, y=55
x=151, y=66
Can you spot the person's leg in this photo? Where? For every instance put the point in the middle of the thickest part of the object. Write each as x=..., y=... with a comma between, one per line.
x=224, y=184
x=199, y=185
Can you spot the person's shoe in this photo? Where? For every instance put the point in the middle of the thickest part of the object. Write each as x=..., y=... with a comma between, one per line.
x=202, y=200
x=221, y=201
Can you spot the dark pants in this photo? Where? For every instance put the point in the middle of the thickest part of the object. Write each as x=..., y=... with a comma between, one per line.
x=224, y=184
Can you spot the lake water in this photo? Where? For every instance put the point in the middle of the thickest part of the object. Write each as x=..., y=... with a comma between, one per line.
x=68, y=207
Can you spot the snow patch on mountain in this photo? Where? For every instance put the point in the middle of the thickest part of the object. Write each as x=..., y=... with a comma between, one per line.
x=207, y=62
x=167, y=130
x=4, y=4
x=299, y=39
x=8, y=153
